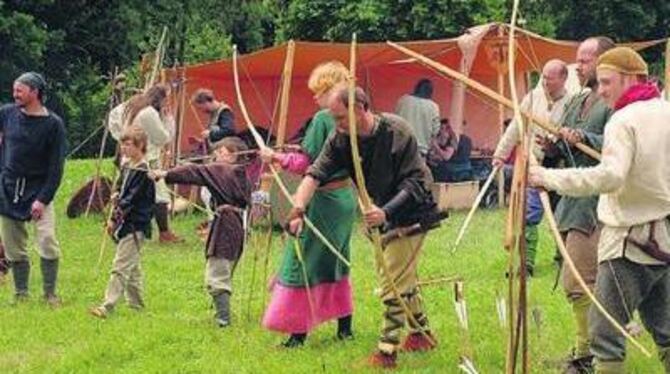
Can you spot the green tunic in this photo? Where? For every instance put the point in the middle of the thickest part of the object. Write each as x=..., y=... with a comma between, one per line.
x=579, y=213
x=333, y=214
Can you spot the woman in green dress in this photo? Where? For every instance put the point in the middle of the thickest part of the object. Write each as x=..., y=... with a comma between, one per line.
x=298, y=304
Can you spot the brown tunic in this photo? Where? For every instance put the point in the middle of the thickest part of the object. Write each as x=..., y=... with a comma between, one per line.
x=392, y=167
x=231, y=192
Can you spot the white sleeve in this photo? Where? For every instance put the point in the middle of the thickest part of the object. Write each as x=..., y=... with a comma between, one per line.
x=115, y=121
x=608, y=176
x=510, y=137
x=150, y=121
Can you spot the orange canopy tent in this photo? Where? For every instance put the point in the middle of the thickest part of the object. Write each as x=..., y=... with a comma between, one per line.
x=382, y=71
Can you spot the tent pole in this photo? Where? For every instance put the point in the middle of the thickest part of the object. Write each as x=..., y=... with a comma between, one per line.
x=285, y=90
x=501, y=130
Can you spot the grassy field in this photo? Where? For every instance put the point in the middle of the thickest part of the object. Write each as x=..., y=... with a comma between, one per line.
x=176, y=332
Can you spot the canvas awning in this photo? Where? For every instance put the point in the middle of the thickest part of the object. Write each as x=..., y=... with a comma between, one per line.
x=384, y=72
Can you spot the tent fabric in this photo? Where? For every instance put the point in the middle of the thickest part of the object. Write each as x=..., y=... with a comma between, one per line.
x=384, y=72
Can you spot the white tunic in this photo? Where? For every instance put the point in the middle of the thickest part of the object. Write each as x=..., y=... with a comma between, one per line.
x=536, y=103
x=633, y=177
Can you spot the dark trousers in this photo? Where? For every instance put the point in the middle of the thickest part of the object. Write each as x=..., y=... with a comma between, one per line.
x=623, y=286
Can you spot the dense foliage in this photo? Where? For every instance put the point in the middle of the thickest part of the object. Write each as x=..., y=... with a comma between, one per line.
x=78, y=43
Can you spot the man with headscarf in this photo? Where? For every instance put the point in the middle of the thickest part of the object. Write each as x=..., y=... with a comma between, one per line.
x=422, y=113
x=633, y=180
x=31, y=168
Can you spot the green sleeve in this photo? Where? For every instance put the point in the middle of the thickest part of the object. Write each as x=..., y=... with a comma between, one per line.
x=593, y=132
x=317, y=133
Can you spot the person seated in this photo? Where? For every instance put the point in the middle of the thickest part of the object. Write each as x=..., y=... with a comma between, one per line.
x=449, y=158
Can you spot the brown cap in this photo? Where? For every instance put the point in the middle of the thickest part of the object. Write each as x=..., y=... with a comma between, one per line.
x=623, y=60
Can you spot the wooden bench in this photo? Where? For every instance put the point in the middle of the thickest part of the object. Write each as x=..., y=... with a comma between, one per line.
x=459, y=195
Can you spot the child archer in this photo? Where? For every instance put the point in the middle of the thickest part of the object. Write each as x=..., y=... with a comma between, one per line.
x=130, y=224
x=230, y=188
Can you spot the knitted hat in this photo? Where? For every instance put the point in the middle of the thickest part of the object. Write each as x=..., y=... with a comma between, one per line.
x=623, y=60
x=34, y=81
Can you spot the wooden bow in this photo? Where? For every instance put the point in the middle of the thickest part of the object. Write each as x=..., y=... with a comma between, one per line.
x=546, y=204
x=158, y=61
x=518, y=332
x=261, y=143
x=363, y=194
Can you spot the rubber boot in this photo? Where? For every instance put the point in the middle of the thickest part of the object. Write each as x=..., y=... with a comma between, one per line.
x=21, y=274
x=580, y=310
x=610, y=367
x=222, y=305
x=49, y=277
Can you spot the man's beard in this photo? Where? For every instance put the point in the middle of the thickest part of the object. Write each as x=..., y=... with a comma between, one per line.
x=592, y=82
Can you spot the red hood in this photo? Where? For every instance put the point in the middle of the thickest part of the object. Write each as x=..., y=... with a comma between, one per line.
x=639, y=92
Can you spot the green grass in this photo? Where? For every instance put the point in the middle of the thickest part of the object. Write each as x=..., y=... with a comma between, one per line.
x=176, y=332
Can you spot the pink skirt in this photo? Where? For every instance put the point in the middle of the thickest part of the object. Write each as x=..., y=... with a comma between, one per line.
x=289, y=310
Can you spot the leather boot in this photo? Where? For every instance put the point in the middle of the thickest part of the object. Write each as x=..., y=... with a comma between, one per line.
x=168, y=237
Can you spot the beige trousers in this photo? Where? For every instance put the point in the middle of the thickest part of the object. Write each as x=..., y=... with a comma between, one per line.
x=126, y=274
x=218, y=275
x=14, y=235
x=401, y=256
x=583, y=249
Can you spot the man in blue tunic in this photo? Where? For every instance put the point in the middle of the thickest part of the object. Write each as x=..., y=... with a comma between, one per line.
x=31, y=168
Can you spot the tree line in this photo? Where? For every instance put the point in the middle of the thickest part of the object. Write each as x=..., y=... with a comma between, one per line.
x=77, y=44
